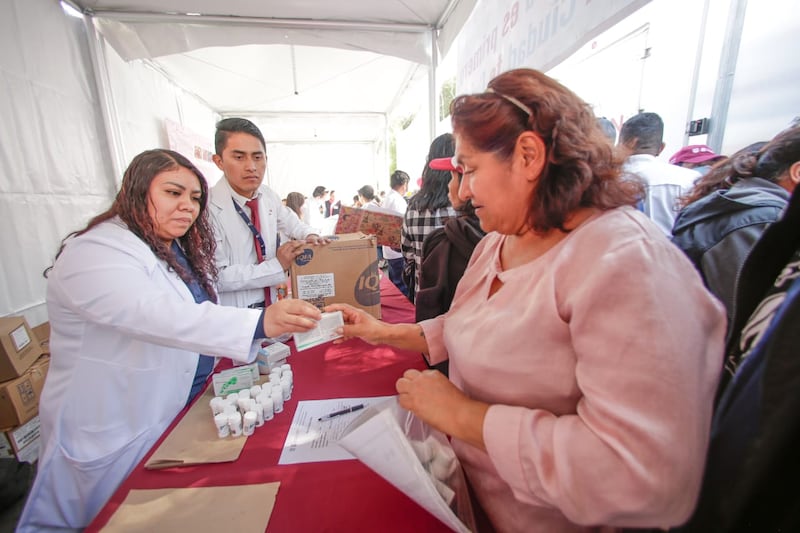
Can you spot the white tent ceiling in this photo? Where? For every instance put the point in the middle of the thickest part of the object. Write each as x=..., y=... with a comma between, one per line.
x=275, y=56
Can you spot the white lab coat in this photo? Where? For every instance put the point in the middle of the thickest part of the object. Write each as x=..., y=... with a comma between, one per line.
x=241, y=278
x=125, y=339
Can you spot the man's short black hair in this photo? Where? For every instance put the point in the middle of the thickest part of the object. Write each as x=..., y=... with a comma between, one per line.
x=319, y=191
x=227, y=126
x=644, y=133
x=398, y=179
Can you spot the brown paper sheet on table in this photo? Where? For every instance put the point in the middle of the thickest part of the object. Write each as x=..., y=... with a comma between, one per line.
x=196, y=509
x=194, y=440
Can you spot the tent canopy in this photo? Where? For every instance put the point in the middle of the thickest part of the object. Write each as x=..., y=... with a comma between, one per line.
x=306, y=56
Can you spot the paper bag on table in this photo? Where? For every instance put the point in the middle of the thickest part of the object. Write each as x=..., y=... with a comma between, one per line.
x=194, y=440
x=413, y=457
x=196, y=509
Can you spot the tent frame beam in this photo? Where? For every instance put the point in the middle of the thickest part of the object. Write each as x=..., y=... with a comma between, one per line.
x=295, y=24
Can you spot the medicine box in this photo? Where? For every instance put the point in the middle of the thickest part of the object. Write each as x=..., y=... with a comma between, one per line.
x=235, y=379
x=19, y=347
x=343, y=271
x=272, y=356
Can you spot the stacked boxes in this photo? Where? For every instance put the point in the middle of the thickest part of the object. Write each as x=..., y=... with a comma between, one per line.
x=23, y=367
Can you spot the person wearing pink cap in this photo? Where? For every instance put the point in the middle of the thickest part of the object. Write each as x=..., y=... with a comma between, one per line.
x=696, y=156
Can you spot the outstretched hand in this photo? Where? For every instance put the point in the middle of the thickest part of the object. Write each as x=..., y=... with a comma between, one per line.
x=289, y=316
x=358, y=323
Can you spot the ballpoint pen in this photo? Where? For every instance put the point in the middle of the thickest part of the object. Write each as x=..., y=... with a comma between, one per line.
x=342, y=412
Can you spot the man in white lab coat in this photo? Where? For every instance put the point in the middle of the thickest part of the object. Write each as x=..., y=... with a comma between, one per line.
x=252, y=267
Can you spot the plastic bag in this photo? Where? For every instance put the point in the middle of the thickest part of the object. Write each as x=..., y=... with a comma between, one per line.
x=413, y=457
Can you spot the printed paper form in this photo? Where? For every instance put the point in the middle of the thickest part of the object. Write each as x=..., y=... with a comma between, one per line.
x=311, y=440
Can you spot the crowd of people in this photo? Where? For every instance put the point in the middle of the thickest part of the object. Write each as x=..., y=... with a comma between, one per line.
x=609, y=335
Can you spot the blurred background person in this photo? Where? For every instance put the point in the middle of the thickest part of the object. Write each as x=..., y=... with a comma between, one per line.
x=395, y=201
x=718, y=230
x=427, y=210
x=609, y=129
x=698, y=157
x=314, y=208
x=641, y=137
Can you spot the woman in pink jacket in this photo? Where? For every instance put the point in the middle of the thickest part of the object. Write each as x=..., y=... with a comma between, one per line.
x=584, y=350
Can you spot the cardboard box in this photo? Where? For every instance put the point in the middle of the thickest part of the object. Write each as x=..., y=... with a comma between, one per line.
x=6, y=451
x=25, y=440
x=19, y=347
x=385, y=224
x=42, y=332
x=343, y=271
x=19, y=397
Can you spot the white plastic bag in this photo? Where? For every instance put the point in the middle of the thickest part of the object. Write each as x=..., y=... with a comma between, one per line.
x=413, y=457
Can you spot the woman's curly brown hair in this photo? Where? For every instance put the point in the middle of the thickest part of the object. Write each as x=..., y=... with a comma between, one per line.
x=130, y=206
x=581, y=169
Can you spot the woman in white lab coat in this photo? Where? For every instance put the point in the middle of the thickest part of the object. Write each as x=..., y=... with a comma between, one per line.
x=131, y=305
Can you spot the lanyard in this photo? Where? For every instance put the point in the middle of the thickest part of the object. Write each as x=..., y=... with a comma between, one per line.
x=253, y=230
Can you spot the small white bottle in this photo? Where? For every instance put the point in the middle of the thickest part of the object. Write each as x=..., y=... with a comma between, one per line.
x=232, y=398
x=223, y=429
x=285, y=367
x=243, y=404
x=277, y=399
x=286, y=389
x=255, y=390
x=244, y=394
x=235, y=423
x=217, y=405
x=249, y=424
x=268, y=407
x=258, y=409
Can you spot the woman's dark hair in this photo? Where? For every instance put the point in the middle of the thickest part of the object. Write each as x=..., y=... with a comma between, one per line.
x=773, y=159
x=720, y=176
x=581, y=169
x=131, y=205
x=433, y=193
x=766, y=160
x=367, y=192
x=295, y=201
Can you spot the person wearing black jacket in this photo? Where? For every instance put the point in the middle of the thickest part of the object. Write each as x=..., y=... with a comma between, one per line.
x=718, y=229
x=445, y=254
x=752, y=468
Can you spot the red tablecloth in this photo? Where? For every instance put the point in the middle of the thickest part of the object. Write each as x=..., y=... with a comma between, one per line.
x=332, y=496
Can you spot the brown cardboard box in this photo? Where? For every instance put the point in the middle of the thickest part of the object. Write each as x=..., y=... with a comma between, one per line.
x=344, y=271
x=42, y=332
x=25, y=440
x=19, y=397
x=19, y=347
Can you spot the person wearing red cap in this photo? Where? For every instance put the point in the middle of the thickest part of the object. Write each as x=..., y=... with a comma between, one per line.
x=427, y=210
x=446, y=252
x=696, y=156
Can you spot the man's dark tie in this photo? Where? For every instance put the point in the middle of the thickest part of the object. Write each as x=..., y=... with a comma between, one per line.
x=253, y=205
